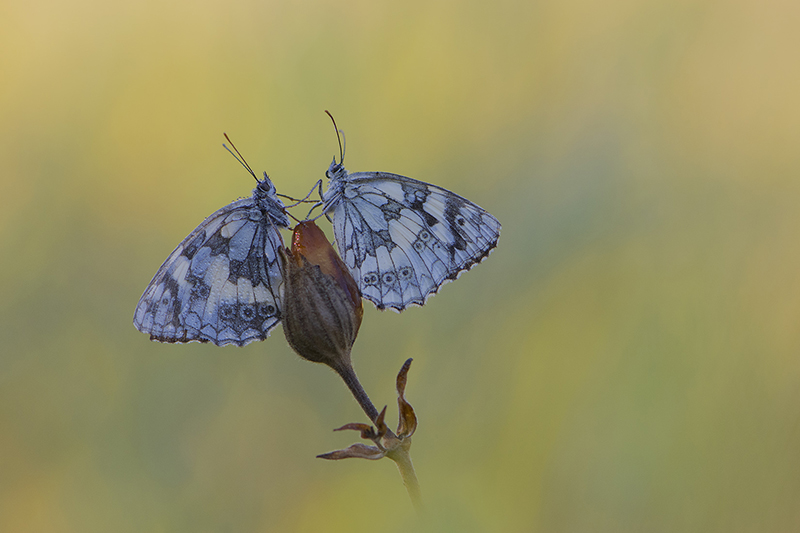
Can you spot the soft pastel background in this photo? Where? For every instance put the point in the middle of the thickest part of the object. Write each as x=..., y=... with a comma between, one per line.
x=628, y=360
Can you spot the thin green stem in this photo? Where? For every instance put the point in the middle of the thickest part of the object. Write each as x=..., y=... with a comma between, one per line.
x=402, y=458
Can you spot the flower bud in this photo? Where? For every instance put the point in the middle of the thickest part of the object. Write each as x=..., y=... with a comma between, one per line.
x=322, y=307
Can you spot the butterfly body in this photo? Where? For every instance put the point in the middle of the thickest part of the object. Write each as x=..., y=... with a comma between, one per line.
x=222, y=283
x=402, y=238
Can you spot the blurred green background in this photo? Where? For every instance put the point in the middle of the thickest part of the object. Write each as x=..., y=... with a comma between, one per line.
x=626, y=360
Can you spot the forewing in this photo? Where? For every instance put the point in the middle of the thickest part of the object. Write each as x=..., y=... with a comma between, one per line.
x=220, y=285
x=403, y=239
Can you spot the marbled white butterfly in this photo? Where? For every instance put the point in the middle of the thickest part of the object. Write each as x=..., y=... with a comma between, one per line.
x=401, y=238
x=222, y=283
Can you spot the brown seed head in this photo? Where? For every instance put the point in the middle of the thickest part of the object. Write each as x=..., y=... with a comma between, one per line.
x=322, y=307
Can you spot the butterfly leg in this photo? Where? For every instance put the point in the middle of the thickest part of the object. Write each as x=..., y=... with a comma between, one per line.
x=318, y=204
x=305, y=198
x=318, y=186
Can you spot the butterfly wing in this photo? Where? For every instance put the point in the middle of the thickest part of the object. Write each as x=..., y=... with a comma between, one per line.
x=220, y=285
x=403, y=239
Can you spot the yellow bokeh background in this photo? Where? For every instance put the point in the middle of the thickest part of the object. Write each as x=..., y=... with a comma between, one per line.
x=627, y=360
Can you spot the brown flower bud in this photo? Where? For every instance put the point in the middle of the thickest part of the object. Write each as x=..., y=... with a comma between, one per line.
x=322, y=307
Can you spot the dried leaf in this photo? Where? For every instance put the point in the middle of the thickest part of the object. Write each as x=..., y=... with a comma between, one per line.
x=408, y=419
x=402, y=377
x=381, y=425
x=367, y=431
x=358, y=450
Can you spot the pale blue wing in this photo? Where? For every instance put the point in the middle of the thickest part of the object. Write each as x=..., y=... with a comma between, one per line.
x=221, y=284
x=402, y=239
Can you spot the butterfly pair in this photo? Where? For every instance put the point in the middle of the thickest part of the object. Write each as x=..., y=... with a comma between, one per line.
x=401, y=238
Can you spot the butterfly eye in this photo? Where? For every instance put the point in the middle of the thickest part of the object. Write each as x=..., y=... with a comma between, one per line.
x=165, y=299
x=424, y=235
x=418, y=246
x=461, y=221
x=388, y=278
x=371, y=278
x=405, y=272
x=247, y=312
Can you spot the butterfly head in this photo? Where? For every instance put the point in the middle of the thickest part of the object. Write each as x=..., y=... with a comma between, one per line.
x=267, y=199
x=336, y=171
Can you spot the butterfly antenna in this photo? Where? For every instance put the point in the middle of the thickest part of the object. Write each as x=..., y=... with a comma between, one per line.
x=338, y=137
x=239, y=157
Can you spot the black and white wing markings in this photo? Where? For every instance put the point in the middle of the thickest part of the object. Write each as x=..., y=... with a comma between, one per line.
x=401, y=238
x=222, y=283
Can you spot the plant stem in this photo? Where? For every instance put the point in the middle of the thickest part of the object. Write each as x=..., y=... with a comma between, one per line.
x=402, y=458
x=398, y=449
x=345, y=370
